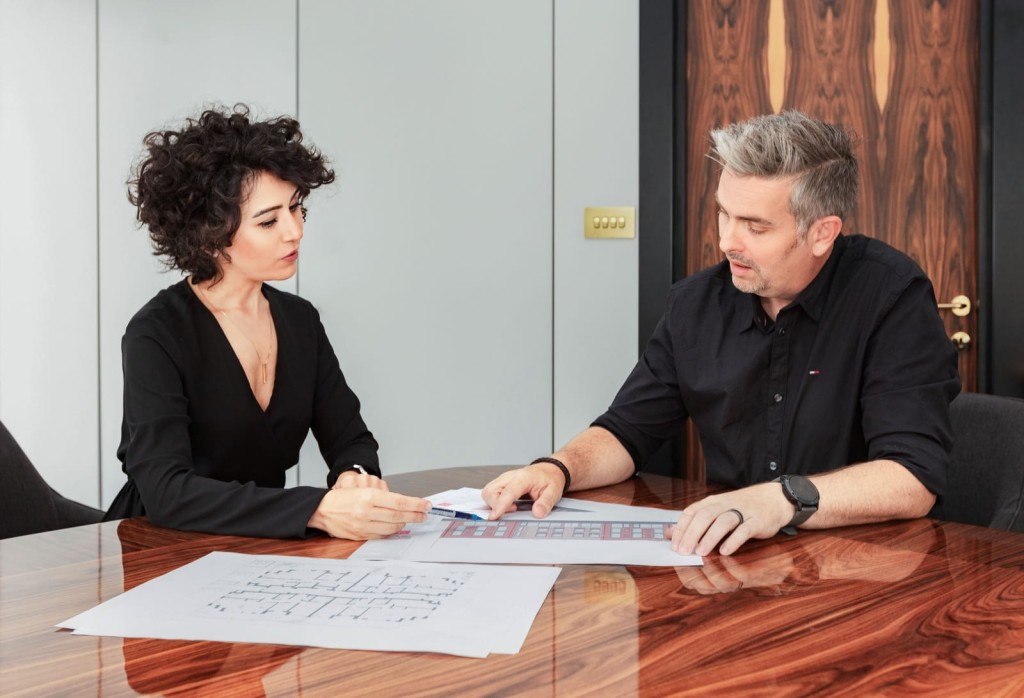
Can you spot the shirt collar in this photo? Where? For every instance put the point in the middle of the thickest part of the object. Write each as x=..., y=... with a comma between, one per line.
x=812, y=299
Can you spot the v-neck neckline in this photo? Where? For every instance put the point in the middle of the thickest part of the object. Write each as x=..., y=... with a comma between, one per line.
x=237, y=362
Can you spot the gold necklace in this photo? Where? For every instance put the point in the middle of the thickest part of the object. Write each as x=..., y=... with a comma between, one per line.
x=270, y=337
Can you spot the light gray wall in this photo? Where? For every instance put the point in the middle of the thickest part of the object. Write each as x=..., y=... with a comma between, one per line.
x=48, y=262
x=432, y=264
x=158, y=63
x=597, y=64
x=473, y=319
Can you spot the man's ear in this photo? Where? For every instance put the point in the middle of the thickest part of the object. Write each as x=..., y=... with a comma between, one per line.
x=823, y=234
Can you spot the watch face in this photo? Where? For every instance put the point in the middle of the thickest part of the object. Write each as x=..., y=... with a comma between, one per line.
x=803, y=489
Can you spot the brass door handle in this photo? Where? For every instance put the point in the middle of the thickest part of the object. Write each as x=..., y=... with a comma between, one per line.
x=960, y=305
x=961, y=340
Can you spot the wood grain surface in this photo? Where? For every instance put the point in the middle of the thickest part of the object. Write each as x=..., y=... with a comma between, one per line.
x=907, y=608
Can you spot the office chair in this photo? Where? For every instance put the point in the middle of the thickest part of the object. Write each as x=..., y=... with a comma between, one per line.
x=986, y=474
x=27, y=503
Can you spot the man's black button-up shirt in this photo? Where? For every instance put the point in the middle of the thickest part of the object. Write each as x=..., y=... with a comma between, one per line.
x=857, y=368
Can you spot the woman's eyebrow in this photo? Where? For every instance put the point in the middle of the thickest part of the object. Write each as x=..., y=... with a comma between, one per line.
x=266, y=210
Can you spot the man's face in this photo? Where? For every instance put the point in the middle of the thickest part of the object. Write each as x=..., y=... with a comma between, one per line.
x=758, y=235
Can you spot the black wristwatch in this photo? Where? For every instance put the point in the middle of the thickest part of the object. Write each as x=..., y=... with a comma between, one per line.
x=803, y=494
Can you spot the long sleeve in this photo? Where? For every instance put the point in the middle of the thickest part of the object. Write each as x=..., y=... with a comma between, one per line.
x=199, y=452
x=337, y=425
x=158, y=458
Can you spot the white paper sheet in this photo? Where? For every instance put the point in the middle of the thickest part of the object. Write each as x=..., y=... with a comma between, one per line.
x=584, y=533
x=467, y=610
x=470, y=501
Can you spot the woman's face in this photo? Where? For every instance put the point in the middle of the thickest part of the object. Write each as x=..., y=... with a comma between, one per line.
x=266, y=245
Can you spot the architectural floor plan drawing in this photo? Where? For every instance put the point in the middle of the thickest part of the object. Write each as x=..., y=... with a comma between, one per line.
x=468, y=610
x=293, y=591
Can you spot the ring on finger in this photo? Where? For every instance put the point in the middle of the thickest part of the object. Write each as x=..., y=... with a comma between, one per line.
x=739, y=514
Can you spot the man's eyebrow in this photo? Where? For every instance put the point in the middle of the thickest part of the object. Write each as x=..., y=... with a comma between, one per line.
x=746, y=219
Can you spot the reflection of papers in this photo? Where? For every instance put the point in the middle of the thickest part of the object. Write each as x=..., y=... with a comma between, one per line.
x=584, y=533
x=468, y=610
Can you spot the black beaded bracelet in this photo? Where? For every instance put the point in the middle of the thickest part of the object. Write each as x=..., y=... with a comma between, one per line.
x=561, y=466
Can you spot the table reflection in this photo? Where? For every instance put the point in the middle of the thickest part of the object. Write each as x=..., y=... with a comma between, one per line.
x=782, y=566
x=213, y=668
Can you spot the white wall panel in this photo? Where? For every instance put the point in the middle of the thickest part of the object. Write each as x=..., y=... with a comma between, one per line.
x=158, y=63
x=48, y=354
x=596, y=164
x=431, y=263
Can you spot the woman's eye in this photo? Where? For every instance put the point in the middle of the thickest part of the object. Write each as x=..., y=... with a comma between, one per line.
x=268, y=224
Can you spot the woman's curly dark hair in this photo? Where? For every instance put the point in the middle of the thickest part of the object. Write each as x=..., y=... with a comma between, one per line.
x=190, y=186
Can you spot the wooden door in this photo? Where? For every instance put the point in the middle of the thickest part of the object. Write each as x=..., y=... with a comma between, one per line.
x=901, y=74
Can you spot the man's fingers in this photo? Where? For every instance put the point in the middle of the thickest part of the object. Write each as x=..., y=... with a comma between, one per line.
x=544, y=502
x=698, y=532
x=505, y=502
x=739, y=536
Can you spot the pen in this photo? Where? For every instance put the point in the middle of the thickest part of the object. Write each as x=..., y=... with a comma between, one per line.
x=452, y=514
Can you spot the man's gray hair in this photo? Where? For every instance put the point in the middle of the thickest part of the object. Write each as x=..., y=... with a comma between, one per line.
x=789, y=144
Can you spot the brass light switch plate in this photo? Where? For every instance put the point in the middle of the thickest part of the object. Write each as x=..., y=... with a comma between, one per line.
x=609, y=222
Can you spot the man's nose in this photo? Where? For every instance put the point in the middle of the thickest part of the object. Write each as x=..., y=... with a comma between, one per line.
x=728, y=241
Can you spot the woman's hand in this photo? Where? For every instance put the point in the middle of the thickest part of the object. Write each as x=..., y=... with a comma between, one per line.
x=360, y=512
x=355, y=479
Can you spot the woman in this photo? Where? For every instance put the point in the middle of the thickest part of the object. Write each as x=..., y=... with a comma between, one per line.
x=224, y=376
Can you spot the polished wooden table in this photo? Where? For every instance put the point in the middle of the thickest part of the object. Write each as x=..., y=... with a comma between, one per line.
x=910, y=608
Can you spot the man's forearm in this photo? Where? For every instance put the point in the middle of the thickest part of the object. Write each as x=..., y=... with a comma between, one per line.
x=869, y=492
x=595, y=458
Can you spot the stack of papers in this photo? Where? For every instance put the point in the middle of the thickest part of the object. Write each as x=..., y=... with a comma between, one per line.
x=466, y=610
x=391, y=594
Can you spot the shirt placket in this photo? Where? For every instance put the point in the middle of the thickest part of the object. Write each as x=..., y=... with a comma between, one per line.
x=778, y=372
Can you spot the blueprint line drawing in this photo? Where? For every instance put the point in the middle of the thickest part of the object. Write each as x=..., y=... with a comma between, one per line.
x=295, y=592
x=465, y=610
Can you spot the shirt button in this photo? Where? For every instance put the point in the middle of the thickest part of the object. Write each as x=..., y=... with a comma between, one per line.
x=777, y=397
x=773, y=465
x=782, y=331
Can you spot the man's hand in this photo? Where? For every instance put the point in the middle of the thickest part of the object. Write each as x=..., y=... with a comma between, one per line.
x=362, y=513
x=732, y=519
x=354, y=479
x=541, y=482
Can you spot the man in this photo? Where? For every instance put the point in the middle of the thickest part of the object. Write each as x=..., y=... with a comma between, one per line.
x=814, y=364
